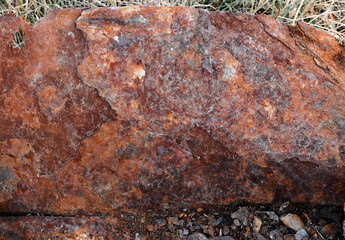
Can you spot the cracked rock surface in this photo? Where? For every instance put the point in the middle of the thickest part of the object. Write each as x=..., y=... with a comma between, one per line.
x=155, y=107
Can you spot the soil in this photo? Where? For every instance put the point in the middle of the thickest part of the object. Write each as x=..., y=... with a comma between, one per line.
x=220, y=223
x=237, y=221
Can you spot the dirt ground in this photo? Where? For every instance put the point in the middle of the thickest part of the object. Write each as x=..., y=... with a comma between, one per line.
x=283, y=221
x=242, y=221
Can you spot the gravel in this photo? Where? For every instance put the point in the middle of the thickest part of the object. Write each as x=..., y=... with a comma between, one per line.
x=256, y=222
x=301, y=234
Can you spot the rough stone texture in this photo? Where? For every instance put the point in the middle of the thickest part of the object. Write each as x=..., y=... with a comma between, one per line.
x=135, y=107
x=64, y=228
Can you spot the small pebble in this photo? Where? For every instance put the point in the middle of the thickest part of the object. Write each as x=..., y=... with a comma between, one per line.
x=258, y=236
x=226, y=230
x=257, y=224
x=276, y=235
x=180, y=223
x=301, y=234
x=292, y=221
x=210, y=231
x=237, y=223
x=330, y=230
x=173, y=220
x=199, y=210
x=242, y=215
x=211, y=221
x=308, y=218
x=161, y=222
x=149, y=228
x=289, y=237
x=204, y=227
x=171, y=227
x=223, y=238
x=284, y=205
x=248, y=233
x=139, y=237
x=272, y=215
x=313, y=234
x=197, y=236
x=218, y=221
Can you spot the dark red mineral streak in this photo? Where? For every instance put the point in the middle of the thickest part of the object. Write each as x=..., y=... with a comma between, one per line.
x=145, y=107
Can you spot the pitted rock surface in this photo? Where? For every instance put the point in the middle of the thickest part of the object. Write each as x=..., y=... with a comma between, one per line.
x=152, y=107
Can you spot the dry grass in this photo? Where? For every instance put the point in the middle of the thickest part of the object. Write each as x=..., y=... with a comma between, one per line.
x=328, y=15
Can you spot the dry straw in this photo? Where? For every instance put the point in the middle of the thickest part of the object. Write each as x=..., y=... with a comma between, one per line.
x=328, y=15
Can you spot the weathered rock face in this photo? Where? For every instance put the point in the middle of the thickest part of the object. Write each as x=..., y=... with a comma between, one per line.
x=133, y=107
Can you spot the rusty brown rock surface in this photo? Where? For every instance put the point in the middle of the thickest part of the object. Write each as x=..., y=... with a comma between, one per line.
x=144, y=107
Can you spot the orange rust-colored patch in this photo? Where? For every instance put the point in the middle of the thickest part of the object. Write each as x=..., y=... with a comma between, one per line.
x=150, y=107
x=51, y=101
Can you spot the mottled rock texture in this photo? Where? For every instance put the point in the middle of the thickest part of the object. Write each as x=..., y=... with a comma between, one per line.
x=144, y=107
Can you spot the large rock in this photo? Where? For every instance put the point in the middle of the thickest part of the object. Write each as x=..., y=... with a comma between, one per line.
x=142, y=107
